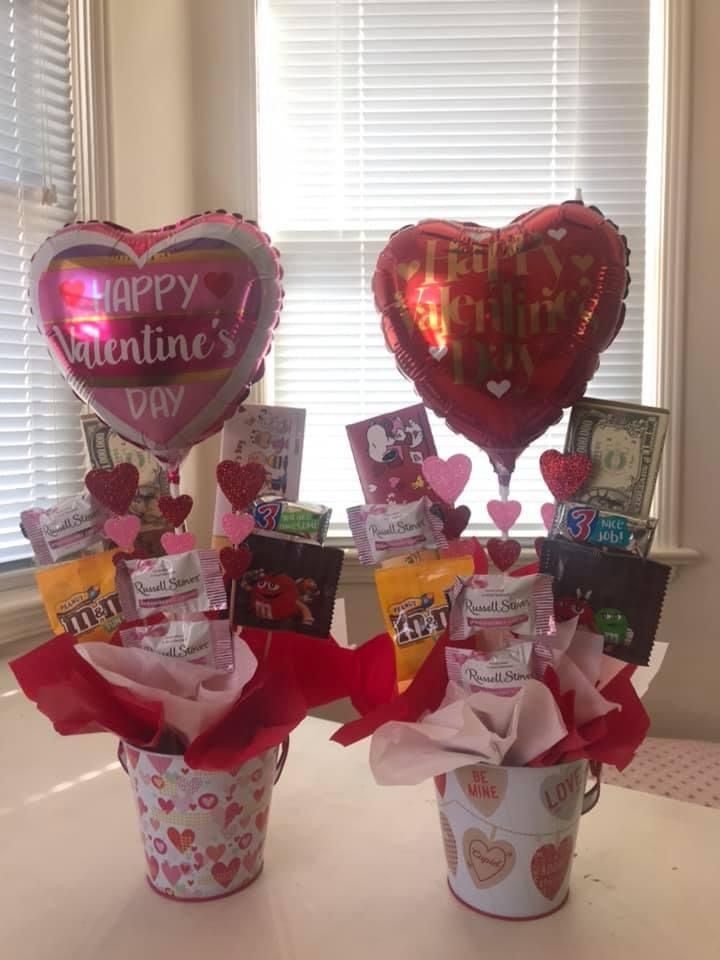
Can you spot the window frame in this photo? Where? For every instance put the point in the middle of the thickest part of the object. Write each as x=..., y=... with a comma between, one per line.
x=668, y=145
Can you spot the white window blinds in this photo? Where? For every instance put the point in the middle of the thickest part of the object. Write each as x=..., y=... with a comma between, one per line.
x=40, y=447
x=378, y=113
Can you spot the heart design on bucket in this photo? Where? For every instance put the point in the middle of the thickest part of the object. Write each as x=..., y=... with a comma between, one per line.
x=170, y=327
x=161, y=764
x=484, y=787
x=488, y=861
x=153, y=867
x=173, y=873
x=440, y=783
x=561, y=793
x=250, y=859
x=166, y=805
x=261, y=819
x=181, y=841
x=214, y=853
x=245, y=841
x=449, y=843
x=225, y=873
x=549, y=867
x=232, y=811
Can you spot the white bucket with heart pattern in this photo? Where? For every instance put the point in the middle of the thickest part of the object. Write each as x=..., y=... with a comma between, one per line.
x=509, y=834
x=203, y=832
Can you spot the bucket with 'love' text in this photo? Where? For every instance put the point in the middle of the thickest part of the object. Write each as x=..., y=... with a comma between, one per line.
x=509, y=834
x=203, y=831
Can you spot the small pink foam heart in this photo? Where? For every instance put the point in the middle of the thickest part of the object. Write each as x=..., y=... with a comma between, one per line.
x=177, y=542
x=547, y=512
x=504, y=513
x=237, y=526
x=122, y=530
x=448, y=478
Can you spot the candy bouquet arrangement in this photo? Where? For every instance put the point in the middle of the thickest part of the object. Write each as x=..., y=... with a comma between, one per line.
x=515, y=681
x=200, y=661
x=508, y=683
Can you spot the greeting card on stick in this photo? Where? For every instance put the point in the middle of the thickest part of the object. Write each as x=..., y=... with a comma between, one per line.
x=389, y=452
x=271, y=436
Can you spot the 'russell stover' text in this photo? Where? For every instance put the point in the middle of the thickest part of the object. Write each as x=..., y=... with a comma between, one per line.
x=496, y=605
x=165, y=584
x=394, y=527
x=498, y=677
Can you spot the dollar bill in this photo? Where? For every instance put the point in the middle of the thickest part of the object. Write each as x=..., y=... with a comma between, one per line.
x=624, y=442
x=105, y=449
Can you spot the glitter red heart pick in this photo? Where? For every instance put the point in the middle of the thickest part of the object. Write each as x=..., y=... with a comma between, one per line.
x=115, y=488
x=235, y=561
x=454, y=519
x=240, y=482
x=503, y=553
x=564, y=473
x=175, y=509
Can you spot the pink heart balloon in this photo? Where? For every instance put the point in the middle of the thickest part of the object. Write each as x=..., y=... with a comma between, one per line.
x=177, y=542
x=448, y=478
x=122, y=530
x=160, y=332
x=237, y=526
x=504, y=513
x=547, y=512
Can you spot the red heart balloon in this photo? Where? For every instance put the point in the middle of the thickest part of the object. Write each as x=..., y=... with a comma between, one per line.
x=564, y=473
x=501, y=329
x=175, y=509
x=240, y=482
x=235, y=561
x=503, y=553
x=116, y=488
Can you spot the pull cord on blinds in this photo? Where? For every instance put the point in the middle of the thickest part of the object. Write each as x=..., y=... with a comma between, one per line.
x=378, y=113
x=39, y=436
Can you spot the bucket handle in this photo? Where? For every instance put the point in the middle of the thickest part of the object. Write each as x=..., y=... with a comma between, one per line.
x=279, y=766
x=593, y=794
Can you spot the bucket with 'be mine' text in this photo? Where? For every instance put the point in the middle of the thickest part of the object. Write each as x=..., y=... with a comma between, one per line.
x=509, y=834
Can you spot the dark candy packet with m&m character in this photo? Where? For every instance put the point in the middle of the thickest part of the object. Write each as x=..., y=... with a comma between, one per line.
x=289, y=585
x=618, y=595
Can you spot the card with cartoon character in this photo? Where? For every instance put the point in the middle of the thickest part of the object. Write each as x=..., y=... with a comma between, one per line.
x=289, y=585
x=272, y=436
x=389, y=451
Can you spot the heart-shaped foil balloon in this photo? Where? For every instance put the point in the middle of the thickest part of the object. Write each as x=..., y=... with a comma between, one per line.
x=501, y=329
x=160, y=332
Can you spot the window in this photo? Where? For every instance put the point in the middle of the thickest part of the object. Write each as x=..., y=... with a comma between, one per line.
x=378, y=113
x=40, y=446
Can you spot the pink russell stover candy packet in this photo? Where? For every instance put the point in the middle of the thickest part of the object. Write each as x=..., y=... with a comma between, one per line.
x=503, y=672
x=522, y=605
x=69, y=528
x=193, y=637
x=177, y=584
x=384, y=530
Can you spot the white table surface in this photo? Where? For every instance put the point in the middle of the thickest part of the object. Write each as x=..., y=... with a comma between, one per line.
x=352, y=870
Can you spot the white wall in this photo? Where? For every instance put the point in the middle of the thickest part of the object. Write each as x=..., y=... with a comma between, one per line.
x=179, y=124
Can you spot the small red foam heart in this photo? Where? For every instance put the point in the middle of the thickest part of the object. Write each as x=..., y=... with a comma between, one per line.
x=240, y=482
x=115, y=488
x=454, y=519
x=175, y=509
x=503, y=553
x=564, y=473
x=235, y=561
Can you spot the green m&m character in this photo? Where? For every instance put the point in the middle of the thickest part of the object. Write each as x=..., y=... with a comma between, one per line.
x=613, y=625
